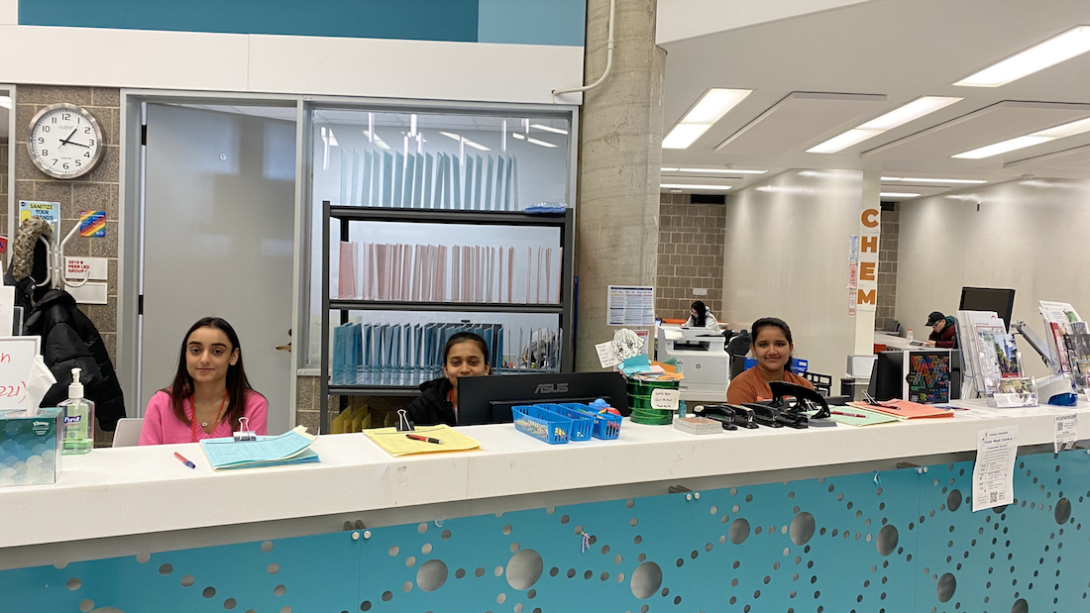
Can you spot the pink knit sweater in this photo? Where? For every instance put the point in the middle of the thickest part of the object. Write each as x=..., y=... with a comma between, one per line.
x=161, y=427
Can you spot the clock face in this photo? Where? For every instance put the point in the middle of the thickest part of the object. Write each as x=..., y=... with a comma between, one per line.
x=65, y=141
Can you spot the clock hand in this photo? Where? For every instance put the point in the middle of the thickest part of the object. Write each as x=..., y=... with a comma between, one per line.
x=78, y=144
x=67, y=141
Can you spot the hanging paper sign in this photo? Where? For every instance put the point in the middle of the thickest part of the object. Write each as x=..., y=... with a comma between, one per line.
x=665, y=400
x=49, y=211
x=16, y=359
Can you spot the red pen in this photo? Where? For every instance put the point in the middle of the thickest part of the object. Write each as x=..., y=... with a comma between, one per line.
x=184, y=461
x=847, y=414
x=424, y=439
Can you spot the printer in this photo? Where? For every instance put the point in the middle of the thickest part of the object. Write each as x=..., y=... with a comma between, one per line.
x=702, y=357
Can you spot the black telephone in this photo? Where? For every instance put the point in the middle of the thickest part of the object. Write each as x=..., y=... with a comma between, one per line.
x=808, y=399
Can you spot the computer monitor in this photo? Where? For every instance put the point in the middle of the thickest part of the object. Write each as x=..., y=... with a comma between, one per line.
x=488, y=399
x=988, y=299
x=888, y=375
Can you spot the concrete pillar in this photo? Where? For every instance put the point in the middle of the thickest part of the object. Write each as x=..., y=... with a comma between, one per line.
x=620, y=154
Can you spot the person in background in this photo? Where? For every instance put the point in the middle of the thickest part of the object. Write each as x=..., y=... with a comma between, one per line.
x=701, y=317
x=210, y=391
x=772, y=346
x=943, y=333
x=465, y=355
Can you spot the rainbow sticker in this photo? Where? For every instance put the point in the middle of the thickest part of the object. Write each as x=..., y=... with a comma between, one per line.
x=92, y=223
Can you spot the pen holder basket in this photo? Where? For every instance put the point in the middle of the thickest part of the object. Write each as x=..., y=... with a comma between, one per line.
x=582, y=423
x=607, y=426
x=542, y=424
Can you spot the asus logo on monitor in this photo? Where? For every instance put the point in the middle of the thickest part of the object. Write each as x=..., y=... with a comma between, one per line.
x=551, y=388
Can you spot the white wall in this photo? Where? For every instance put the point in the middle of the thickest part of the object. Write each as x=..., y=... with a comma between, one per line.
x=291, y=64
x=1030, y=235
x=786, y=256
x=682, y=19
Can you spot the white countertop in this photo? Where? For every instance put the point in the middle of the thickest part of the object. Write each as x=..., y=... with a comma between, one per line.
x=138, y=490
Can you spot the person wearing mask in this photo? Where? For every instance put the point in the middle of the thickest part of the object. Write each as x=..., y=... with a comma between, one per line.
x=701, y=317
x=465, y=355
x=210, y=391
x=772, y=347
x=943, y=333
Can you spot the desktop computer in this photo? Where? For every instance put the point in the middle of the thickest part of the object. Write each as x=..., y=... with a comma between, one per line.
x=488, y=399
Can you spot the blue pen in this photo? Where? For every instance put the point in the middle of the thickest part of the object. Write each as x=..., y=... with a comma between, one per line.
x=183, y=460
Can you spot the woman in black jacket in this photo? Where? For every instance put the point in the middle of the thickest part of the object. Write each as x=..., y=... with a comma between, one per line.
x=465, y=355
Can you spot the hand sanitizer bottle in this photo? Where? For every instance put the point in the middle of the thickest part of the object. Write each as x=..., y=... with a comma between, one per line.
x=79, y=419
x=909, y=337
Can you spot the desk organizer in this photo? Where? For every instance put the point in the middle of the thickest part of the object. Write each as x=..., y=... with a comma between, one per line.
x=542, y=424
x=639, y=400
x=582, y=422
x=607, y=426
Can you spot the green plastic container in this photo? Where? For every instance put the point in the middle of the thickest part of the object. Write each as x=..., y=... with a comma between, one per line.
x=639, y=401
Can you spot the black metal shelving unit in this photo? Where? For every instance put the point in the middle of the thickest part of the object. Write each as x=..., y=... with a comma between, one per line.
x=345, y=215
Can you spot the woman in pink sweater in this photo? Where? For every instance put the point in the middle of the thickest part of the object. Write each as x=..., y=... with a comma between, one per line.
x=210, y=391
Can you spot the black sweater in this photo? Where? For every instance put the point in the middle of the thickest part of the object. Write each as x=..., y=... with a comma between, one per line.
x=432, y=407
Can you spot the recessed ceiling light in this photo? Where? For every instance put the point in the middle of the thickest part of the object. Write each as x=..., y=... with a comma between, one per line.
x=843, y=141
x=540, y=143
x=897, y=194
x=684, y=134
x=717, y=171
x=897, y=117
x=1042, y=136
x=518, y=136
x=548, y=128
x=933, y=180
x=711, y=107
x=1051, y=52
x=909, y=112
x=688, y=186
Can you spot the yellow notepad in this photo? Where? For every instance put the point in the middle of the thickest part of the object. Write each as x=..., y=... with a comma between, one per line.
x=397, y=444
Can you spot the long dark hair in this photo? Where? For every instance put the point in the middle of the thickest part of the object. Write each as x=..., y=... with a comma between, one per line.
x=701, y=313
x=237, y=383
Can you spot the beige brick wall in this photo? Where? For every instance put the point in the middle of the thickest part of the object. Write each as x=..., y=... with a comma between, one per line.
x=887, y=268
x=690, y=256
x=95, y=191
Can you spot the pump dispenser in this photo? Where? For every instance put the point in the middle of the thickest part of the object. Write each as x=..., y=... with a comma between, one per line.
x=79, y=419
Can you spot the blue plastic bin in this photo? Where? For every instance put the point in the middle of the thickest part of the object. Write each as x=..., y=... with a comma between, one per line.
x=607, y=426
x=583, y=424
x=542, y=424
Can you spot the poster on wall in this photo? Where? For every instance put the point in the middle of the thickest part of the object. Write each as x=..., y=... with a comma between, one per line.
x=49, y=211
x=630, y=306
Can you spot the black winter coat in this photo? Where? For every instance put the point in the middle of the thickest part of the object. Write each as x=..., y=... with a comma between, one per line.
x=70, y=340
x=432, y=407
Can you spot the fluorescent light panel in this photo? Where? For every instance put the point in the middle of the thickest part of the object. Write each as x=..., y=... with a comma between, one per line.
x=716, y=171
x=535, y=141
x=548, y=128
x=689, y=186
x=932, y=180
x=1057, y=49
x=895, y=118
x=897, y=194
x=1042, y=136
x=465, y=140
x=712, y=106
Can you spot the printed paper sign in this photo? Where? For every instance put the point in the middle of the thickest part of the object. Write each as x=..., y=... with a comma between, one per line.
x=16, y=359
x=665, y=400
x=78, y=268
x=608, y=355
x=92, y=224
x=993, y=474
x=1066, y=432
x=630, y=306
x=49, y=211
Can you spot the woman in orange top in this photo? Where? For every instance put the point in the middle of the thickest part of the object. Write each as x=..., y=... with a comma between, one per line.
x=772, y=346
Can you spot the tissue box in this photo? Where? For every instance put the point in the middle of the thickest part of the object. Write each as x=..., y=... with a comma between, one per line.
x=30, y=447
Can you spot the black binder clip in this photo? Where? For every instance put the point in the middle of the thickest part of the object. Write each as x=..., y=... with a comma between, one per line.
x=403, y=423
x=244, y=433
